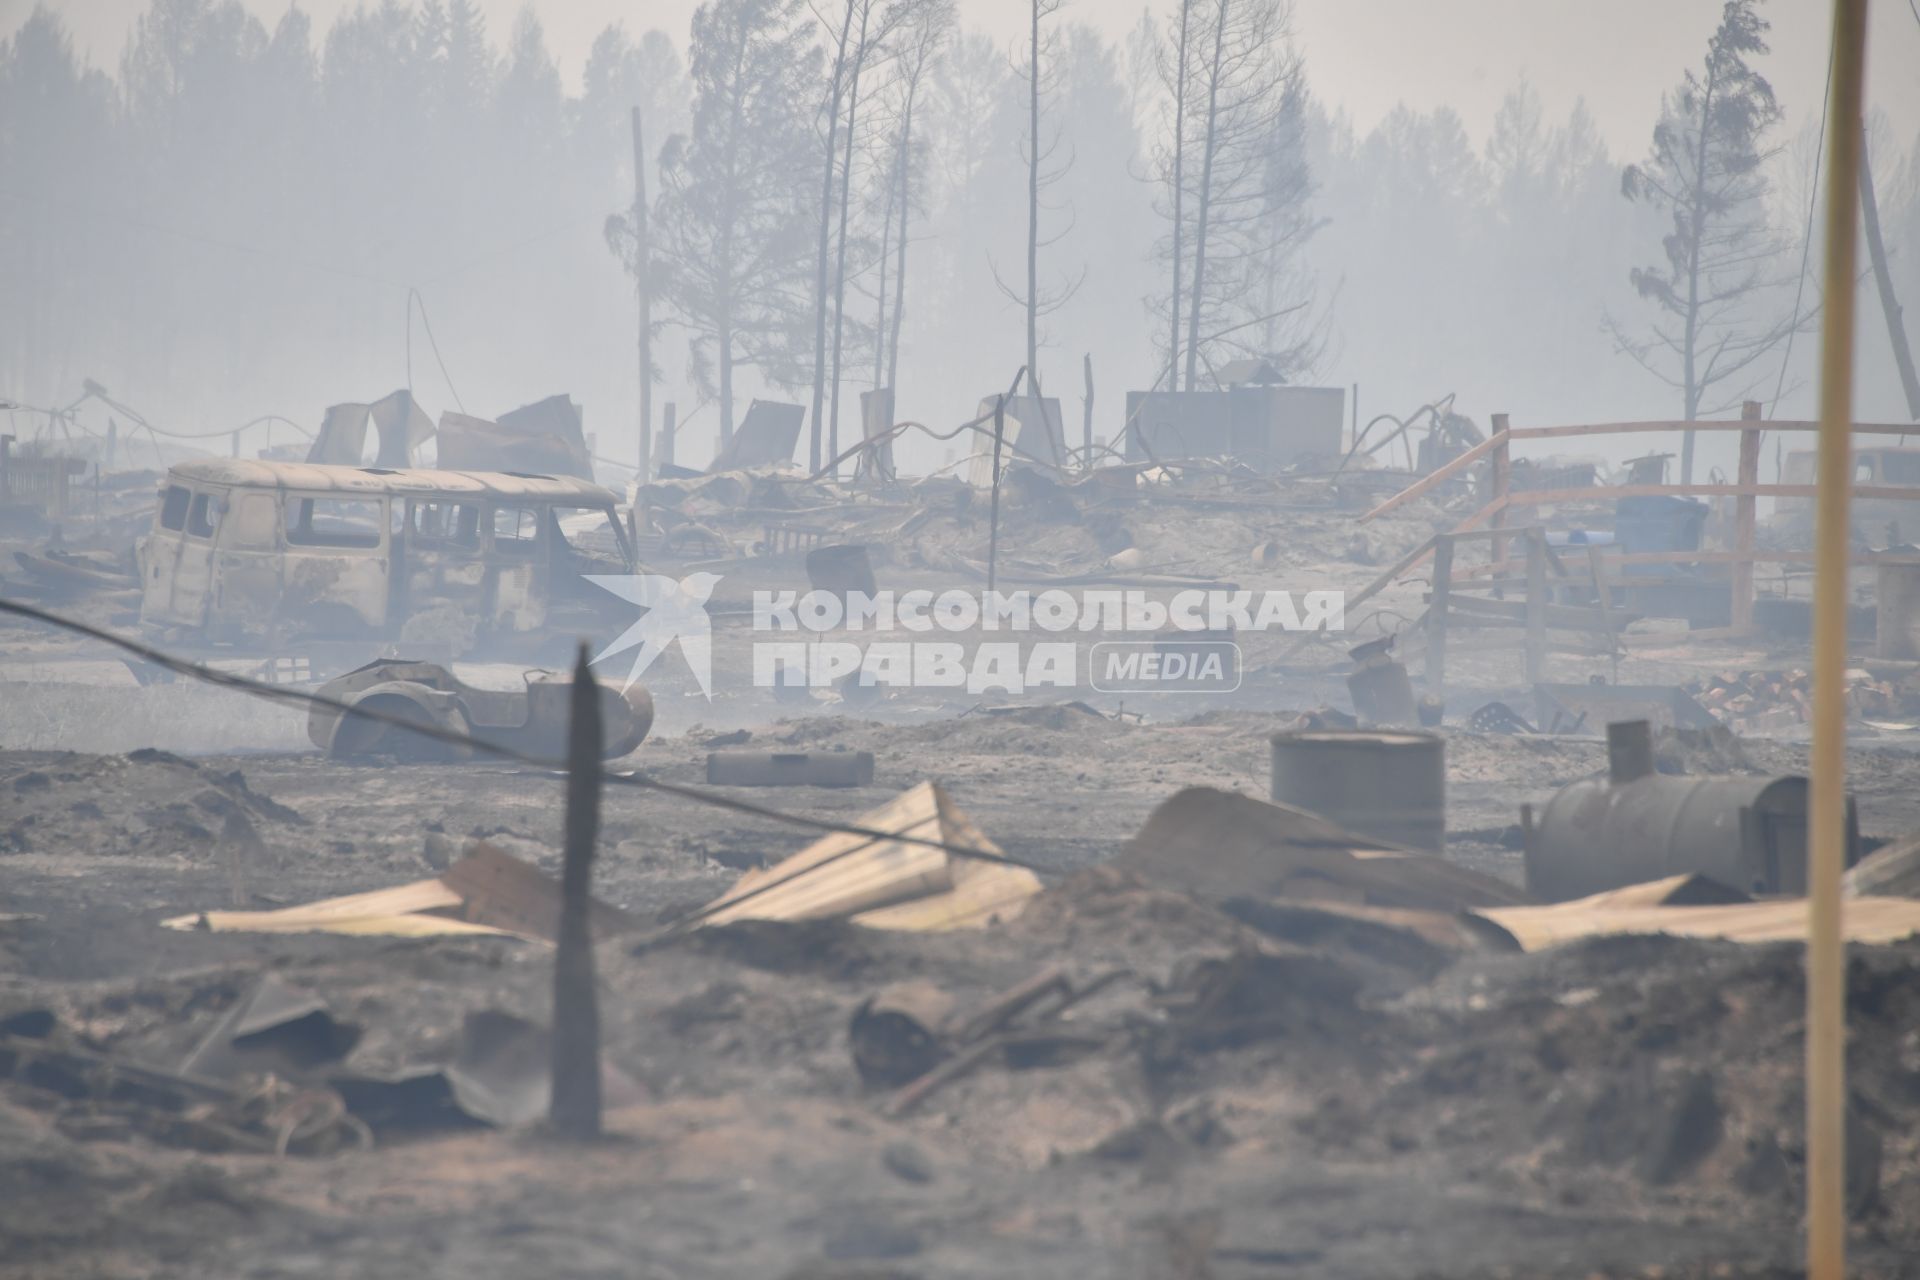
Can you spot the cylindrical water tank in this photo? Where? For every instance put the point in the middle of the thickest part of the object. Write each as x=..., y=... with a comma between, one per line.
x=1388, y=785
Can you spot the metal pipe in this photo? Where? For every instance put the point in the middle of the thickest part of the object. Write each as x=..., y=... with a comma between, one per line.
x=1826, y=814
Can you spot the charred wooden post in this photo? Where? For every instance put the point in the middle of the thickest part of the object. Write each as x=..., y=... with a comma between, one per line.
x=573, y=1109
x=1502, y=477
x=1603, y=601
x=993, y=518
x=1536, y=603
x=1743, y=520
x=1086, y=419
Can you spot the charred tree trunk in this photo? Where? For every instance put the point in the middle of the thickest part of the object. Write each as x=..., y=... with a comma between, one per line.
x=643, y=288
x=903, y=194
x=840, y=254
x=1206, y=192
x=1883, y=280
x=1179, y=194
x=825, y=245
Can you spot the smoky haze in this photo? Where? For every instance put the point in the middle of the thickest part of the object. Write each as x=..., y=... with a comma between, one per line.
x=222, y=211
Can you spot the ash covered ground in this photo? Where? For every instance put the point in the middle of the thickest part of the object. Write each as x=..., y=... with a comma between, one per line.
x=1611, y=1108
x=1620, y=1107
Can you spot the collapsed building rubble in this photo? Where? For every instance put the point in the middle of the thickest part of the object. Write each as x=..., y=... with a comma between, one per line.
x=1148, y=986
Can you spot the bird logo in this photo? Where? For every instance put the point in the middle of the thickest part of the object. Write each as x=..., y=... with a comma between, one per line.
x=675, y=609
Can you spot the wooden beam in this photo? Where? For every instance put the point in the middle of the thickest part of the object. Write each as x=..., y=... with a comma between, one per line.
x=1498, y=500
x=1536, y=603
x=1438, y=476
x=1633, y=428
x=1744, y=504
x=1606, y=493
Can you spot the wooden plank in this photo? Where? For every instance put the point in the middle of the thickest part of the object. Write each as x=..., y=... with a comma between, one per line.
x=1632, y=428
x=1438, y=476
x=1744, y=519
x=1385, y=580
x=1502, y=483
x=1606, y=493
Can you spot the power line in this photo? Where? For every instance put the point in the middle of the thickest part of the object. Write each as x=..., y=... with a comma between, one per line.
x=1806, y=242
x=413, y=299
x=450, y=737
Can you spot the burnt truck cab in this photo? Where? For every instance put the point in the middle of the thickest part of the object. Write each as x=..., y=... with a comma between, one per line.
x=256, y=551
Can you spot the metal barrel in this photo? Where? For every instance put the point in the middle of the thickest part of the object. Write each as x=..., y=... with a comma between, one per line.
x=1391, y=786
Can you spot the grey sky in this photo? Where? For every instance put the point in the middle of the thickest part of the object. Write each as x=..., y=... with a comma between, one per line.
x=1362, y=56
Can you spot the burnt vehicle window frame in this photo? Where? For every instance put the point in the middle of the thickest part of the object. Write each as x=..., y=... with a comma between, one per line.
x=175, y=501
x=300, y=511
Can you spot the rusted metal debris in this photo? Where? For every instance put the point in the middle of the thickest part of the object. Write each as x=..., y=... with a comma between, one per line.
x=766, y=437
x=263, y=1114
x=532, y=720
x=1382, y=693
x=1573, y=708
x=1386, y=785
x=1220, y=846
x=909, y=1038
x=1636, y=825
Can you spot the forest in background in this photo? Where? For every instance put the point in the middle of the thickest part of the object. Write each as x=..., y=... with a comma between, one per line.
x=240, y=220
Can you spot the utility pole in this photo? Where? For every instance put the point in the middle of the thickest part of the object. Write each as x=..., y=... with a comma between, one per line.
x=643, y=287
x=1896, y=327
x=573, y=1107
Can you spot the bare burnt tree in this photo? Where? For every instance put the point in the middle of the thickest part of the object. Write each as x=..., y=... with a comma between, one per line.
x=925, y=35
x=1238, y=186
x=733, y=208
x=1175, y=77
x=1717, y=297
x=1044, y=169
x=836, y=87
x=877, y=25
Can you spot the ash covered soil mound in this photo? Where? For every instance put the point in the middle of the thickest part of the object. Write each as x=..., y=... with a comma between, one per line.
x=157, y=805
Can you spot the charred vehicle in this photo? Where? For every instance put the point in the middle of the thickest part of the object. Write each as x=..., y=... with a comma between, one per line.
x=245, y=551
x=533, y=720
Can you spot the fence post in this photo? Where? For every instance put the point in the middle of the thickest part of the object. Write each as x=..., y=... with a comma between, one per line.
x=1536, y=603
x=573, y=1106
x=1086, y=418
x=1743, y=520
x=1502, y=472
x=993, y=518
x=1437, y=615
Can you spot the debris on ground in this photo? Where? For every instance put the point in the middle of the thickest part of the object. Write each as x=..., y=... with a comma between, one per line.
x=919, y=879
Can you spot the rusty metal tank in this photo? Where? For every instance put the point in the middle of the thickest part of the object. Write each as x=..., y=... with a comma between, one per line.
x=1388, y=784
x=1636, y=825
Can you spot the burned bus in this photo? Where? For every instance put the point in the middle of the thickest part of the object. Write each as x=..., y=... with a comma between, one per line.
x=253, y=552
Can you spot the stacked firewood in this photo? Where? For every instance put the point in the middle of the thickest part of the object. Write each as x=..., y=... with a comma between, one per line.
x=1770, y=701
